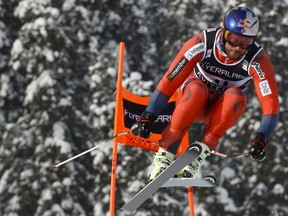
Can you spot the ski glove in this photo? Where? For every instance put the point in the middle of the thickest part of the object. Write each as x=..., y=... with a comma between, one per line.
x=258, y=147
x=143, y=127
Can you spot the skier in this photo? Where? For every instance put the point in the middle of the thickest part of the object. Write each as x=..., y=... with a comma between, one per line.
x=211, y=71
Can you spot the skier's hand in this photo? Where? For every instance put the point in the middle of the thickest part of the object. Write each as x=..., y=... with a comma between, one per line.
x=143, y=127
x=258, y=147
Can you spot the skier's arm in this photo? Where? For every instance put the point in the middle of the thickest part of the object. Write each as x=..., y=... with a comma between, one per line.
x=178, y=71
x=182, y=65
x=266, y=89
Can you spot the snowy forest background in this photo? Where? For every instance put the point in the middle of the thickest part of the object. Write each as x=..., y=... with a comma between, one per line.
x=58, y=67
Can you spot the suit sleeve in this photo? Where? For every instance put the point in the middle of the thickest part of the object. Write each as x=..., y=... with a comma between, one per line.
x=266, y=89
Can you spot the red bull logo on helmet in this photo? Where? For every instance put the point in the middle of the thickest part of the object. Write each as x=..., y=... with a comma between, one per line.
x=244, y=23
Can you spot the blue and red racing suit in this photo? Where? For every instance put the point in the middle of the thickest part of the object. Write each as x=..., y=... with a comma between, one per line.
x=211, y=88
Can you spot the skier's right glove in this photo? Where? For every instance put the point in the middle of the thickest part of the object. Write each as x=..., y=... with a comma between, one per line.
x=143, y=127
x=258, y=147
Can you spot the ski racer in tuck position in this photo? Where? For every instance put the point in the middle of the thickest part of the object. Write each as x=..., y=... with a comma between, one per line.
x=211, y=71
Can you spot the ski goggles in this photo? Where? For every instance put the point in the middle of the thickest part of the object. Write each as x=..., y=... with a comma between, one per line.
x=235, y=40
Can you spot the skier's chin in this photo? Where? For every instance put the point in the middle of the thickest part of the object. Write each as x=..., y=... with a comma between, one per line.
x=234, y=55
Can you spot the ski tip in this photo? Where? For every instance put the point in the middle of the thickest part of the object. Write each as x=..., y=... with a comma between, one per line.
x=212, y=179
x=126, y=209
x=195, y=147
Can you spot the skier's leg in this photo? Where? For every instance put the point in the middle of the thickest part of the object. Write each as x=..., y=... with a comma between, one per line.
x=223, y=115
x=192, y=101
x=193, y=97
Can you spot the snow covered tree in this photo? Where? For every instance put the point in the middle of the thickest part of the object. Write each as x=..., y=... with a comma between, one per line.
x=54, y=125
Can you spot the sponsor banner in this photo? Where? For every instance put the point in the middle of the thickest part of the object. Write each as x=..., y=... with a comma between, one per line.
x=211, y=29
x=257, y=67
x=222, y=72
x=133, y=111
x=193, y=51
x=132, y=140
x=265, y=88
x=245, y=65
x=212, y=87
x=177, y=69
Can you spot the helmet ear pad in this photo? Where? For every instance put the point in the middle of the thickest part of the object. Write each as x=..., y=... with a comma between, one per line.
x=225, y=34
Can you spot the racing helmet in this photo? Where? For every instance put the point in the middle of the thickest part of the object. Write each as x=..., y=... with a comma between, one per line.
x=242, y=21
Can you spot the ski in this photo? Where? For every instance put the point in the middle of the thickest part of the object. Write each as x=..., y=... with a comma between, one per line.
x=191, y=153
x=208, y=181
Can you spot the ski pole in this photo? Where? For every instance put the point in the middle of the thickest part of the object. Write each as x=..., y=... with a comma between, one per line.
x=89, y=150
x=231, y=155
x=221, y=154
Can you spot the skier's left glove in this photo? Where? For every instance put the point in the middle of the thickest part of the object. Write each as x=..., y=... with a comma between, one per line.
x=258, y=147
x=143, y=127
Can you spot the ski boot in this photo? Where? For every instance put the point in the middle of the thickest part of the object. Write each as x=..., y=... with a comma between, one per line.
x=162, y=159
x=192, y=168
